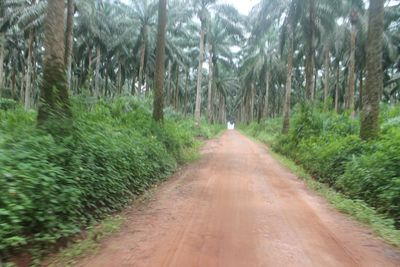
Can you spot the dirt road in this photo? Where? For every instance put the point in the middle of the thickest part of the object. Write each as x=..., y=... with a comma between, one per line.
x=238, y=207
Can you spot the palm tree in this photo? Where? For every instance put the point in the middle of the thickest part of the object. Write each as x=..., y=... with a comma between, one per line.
x=288, y=87
x=225, y=30
x=69, y=39
x=374, y=83
x=145, y=12
x=203, y=15
x=355, y=8
x=54, y=111
x=160, y=54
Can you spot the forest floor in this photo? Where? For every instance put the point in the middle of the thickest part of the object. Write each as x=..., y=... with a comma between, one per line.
x=237, y=206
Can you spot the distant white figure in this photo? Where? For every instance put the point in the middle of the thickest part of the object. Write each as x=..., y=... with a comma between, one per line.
x=231, y=126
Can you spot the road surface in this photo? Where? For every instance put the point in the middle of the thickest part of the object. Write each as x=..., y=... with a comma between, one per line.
x=237, y=206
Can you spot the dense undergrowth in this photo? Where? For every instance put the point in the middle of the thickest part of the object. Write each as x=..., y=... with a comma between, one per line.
x=50, y=189
x=328, y=146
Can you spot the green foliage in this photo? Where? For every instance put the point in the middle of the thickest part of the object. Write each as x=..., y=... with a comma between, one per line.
x=381, y=225
x=327, y=145
x=49, y=188
x=325, y=157
x=375, y=175
x=7, y=104
x=266, y=131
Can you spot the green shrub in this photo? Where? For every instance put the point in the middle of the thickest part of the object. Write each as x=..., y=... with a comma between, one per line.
x=51, y=188
x=325, y=157
x=327, y=145
x=7, y=104
x=375, y=176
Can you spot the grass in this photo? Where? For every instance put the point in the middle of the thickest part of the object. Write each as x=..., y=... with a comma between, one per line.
x=96, y=233
x=357, y=209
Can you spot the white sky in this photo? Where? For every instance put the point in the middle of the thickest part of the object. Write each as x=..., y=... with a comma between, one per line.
x=244, y=6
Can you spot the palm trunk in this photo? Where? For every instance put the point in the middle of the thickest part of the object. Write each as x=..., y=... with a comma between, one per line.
x=176, y=101
x=2, y=44
x=210, y=84
x=310, y=60
x=186, y=93
x=119, y=77
x=351, y=81
x=374, y=83
x=252, y=101
x=54, y=110
x=337, y=88
x=133, y=89
x=199, y=78
x=97, y=78
x=326, y=79
x=142, y=57
x=266, y=99
x=158, y=104
x=28, y=74
x=169, y=78
x=286, y=105
x=69, y=40
x=361, y=90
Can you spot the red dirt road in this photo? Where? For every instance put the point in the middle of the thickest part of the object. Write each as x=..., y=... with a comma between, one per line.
x=237, y=206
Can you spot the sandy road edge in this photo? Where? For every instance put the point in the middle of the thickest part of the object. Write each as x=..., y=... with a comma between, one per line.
x=358, y=211
x=88, y=243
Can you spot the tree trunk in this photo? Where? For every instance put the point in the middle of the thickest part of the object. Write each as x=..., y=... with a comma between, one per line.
x=337, y=88
x=142, y=57
x=97, y=78
x=28, y=74
x=158, y=104
x=374, y=83
x=266, y=98
x=352, y=64
x=119, y=77
x=185, y=105
x=361, y=90
x=252, y=98
x=326, y=79
x=69, y=39
x=133, y=89
x=210, y=83
x=13, y=82
x=176, y=101
x=310, y=60
x=286, y=105
x=199, y=78
x=169, y=84
x=54, y=110
x=2, y=44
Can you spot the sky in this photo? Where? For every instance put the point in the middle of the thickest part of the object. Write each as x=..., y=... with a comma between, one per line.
x=243, y=6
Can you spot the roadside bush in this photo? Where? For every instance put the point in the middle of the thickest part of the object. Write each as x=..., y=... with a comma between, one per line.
x=325, y=157
x=327, y=145
x=50, y=189
x=375, y=176
x=39, y=201
x=7, y=103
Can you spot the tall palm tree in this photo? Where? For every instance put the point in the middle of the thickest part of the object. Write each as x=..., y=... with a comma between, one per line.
x=355, y=9
x=54, y=111
x=69, y=33
x=202, y=7
x=160, y=55
x=145, y=12
x=374, y=83
x=225, y=29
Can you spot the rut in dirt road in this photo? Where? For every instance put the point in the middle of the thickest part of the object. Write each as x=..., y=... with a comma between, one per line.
x=238, y=207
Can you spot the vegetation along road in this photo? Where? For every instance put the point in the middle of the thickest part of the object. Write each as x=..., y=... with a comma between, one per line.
x=238, y=206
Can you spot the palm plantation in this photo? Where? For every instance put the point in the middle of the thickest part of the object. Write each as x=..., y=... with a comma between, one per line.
x=101, y=100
